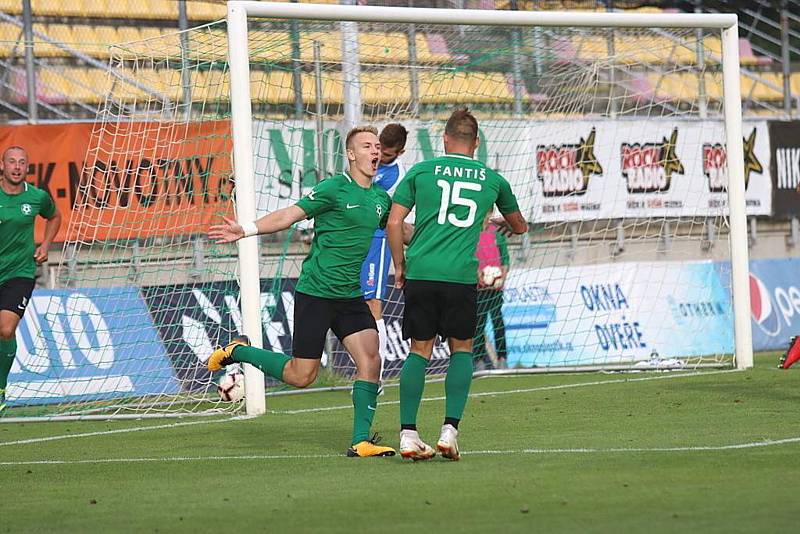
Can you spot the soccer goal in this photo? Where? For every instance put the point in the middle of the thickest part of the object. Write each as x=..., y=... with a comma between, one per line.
x=620, y=133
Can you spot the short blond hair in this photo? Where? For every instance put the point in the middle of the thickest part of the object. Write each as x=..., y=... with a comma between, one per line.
x=357, y=130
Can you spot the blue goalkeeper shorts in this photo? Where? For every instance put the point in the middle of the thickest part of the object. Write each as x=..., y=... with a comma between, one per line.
x=375, y=271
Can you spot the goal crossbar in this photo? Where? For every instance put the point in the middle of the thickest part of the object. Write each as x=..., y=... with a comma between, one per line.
x=330, y=12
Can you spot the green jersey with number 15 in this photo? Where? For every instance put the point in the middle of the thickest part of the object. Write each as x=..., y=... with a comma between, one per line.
x=452, y=195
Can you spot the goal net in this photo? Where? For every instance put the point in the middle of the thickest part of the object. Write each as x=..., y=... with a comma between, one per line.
x=612, y=138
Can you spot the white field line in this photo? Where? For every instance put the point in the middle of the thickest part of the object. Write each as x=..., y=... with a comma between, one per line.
x=517, y=391
x=622, y=450
x=120, y=431
x=349, y=407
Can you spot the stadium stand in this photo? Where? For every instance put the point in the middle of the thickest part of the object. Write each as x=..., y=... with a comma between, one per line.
x=66, y=33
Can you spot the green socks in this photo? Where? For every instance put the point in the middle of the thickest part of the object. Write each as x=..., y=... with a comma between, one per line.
x=456, y=386
x=8, y=350
x=365, y=400
x=271, y=363
x=412, y=384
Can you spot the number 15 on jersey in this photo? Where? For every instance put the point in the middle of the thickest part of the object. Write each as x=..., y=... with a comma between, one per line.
x=452, y=196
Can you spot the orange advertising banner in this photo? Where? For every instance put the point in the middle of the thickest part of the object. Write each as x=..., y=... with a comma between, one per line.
x=129, y=180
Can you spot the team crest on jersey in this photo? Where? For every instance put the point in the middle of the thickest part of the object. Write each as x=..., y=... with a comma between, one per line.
x=715, y=163
x=26, y=209
x=565, y=169
x=648, y=167
x=379, y=210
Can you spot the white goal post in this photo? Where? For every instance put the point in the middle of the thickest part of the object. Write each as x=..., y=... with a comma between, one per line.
x=242, y=120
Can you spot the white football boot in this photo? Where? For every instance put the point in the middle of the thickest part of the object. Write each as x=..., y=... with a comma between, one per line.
x=411, y=446
x=447, y=444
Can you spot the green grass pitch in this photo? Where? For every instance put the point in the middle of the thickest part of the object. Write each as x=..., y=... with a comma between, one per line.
x=706, y=452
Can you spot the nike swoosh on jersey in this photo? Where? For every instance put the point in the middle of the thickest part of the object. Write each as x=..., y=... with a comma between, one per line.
x=371, y=408
x=351, y=207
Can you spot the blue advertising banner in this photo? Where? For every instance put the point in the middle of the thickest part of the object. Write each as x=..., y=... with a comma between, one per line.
x=88, y=344
x=774, y=301
x=613, y=313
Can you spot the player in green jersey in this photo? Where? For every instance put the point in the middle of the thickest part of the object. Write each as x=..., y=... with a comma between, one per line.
x=20, y=203
x=438, y=273
x=347, y=209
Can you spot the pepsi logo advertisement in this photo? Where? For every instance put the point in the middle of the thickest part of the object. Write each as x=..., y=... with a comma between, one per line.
x=774, y=302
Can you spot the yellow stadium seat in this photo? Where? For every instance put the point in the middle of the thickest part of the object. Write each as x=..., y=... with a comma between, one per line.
x=205, y=11
x=155, y=43
x=383, y=48
x=795, y=85
x=685, y=87
x=590, y=48
x=759, y=90
x=11, y=40
x=332, y=88
x=60, y=33
x=655, y=50
x=443, y=87
x=103, y=37
x=56, y=9
x=274, y=87
x=208, y=45
x=141, y=9
x=428, y=53
x=386, y=87
x=712, y=47
x=490, y=87
x=215, y=84
x=54, y=88
x=12, y=7
x=273, y=47
x=128, y=34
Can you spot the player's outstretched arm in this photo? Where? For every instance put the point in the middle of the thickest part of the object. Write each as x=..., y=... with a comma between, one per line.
x=268, y=224
x=395, y=230
x=511, y=223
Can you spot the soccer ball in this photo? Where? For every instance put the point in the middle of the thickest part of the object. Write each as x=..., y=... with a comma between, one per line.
x=231, y=387
x=492, y=276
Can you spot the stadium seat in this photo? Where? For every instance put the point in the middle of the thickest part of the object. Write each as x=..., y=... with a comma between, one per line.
x=11, y=40
x=655, y=50
x=455, y=87
x=271, y=87
x=383, y=47
x=490, y=88
x=48, y=8
x=760, y=90
x=795, y=85
x=386, y=87
x=685, y=87
x=205, y=11
x=713, y=45
x=432, y=48
x=104, y=36
x=54, y=88
x=332, y=88
x=12, y=7
x=586, y=48
x=136, y=9
x=128, y=34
